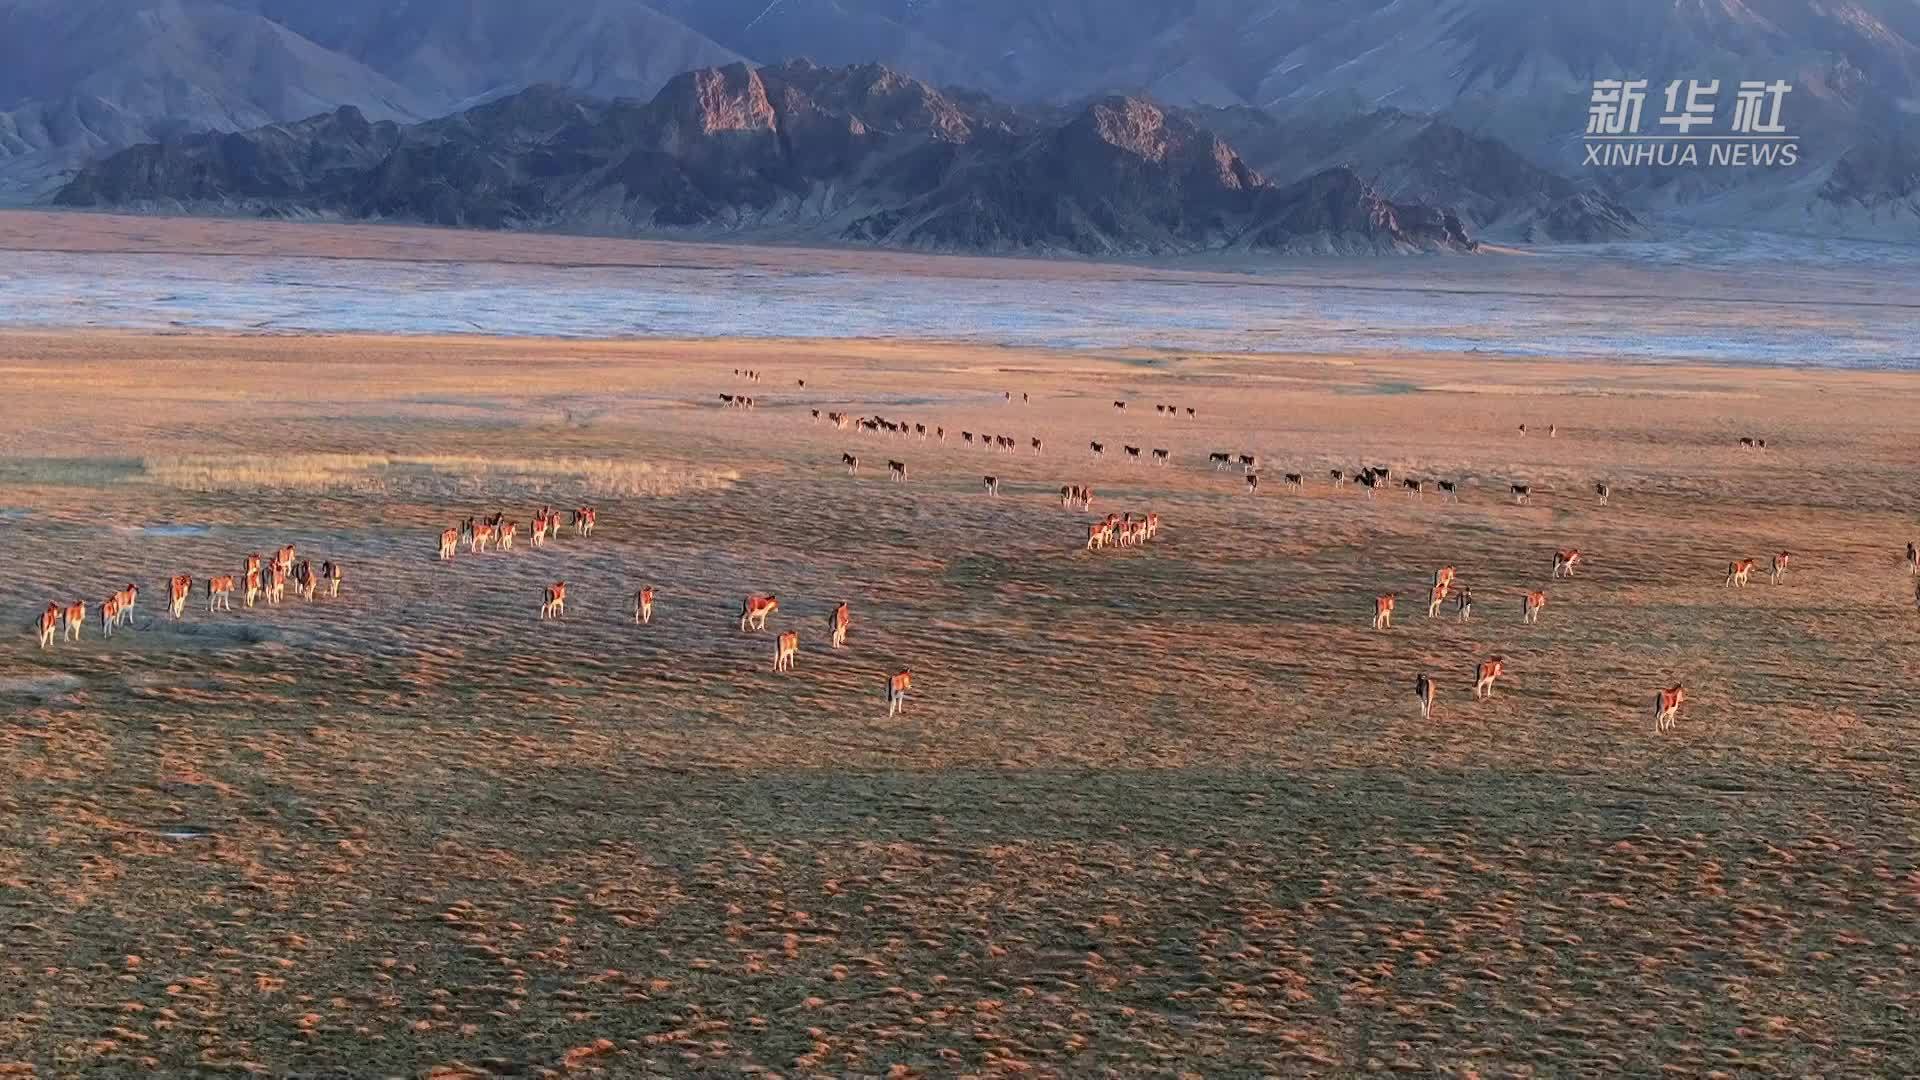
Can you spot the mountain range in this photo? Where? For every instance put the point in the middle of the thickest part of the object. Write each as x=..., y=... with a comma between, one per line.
x=1365, y=82
x=856, y=154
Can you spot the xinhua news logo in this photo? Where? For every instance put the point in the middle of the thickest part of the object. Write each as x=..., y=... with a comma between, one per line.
x=1688, y=131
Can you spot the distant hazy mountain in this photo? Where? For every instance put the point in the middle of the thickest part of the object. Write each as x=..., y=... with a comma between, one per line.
x=79, y=78
x=860, y=154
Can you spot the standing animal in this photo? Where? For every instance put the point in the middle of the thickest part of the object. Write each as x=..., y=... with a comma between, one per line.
x=1746, y=443
x=1369, y=481
x=1098, y=449
x=754, y=611
x=1489, y=670
x=305, y=581
x=109, y=615
x=1531, y=605
x=1295, y=480
x=643, y=605
x=450, y=541
x=1666, y=707
x=179, y=587
x=786, y=647
x=837, y=624
x=1913, y=559
x=1449, y=490
x=1383, y=611
x=479, y=537
x=1247, y=463
x=897, y=687
x=1423, y=690
x=1133, y=452
x=127, y=598
x=1463, y=603
x=331, y=571
x=1605, y=491
x=284, y=558
x=1036, y=447
x=220, y=592
x=1415, y=488
x=507, y=531
x=1737, y=573
x=553, y=604
x=1338, y=477
x=1780, y=561
x=1436, y=597
x=1220, y=461
x=1523, y=431
x=852, y=463
x=991, y=484
x=49, y=622
x=583, y=520
x=897, y=471
x=276, y=583
x=1520, y=493
x=1444, y=576
x=1120, y=405
x=1253, y=483
x=1159, y=456
x=76, y=616
x=1564, y=562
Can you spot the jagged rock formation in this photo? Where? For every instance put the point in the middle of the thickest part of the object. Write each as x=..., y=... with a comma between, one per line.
x=861, y=154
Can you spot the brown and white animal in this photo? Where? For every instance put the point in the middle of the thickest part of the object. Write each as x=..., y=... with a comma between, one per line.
x=1337, y=476
x=179, y=587
x=76, y=620
x=852, y=463
x=897, y=471
x=1520, y=493
x=1253, y=483
x=331, y=571
x=1098, y=533
x=1489, y=670
x=1036, y=447
x=1531, y=605
x=583, y=520
x=643, y=605
x=124, y=609
x=450, y=541
x=1383, y=611
x=1666, y=707
x=754, y=611
x=480, y=537
x=1780, y=561
x=1435, y=597
x=786, y=647
x=507, y=530
x=1737, y=573
x=553, y=604
x=990, y=484
x=276, y=583
x=1463, y=604
x=897, y=687
x=837, y=624
x=1444, y=576
x=49, y=622
x=305, y=581
x=220, y=592
x=109, y=615
x=284, y=558
x=1605, y=491
x=1423, y=690
x=1913, y=559
x=1415, y=488
x=1564, y=562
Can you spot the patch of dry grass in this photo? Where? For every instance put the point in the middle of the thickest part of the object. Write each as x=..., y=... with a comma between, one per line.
x=379, y=473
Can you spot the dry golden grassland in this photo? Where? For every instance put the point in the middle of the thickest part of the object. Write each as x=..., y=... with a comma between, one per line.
x=1148, y=812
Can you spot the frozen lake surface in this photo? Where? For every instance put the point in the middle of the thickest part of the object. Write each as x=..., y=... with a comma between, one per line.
x=1852, y=307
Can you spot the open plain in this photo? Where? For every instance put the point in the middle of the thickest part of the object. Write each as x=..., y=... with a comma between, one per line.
x=1148, y=811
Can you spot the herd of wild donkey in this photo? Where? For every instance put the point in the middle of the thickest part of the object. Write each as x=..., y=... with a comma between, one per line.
x=261, y=580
